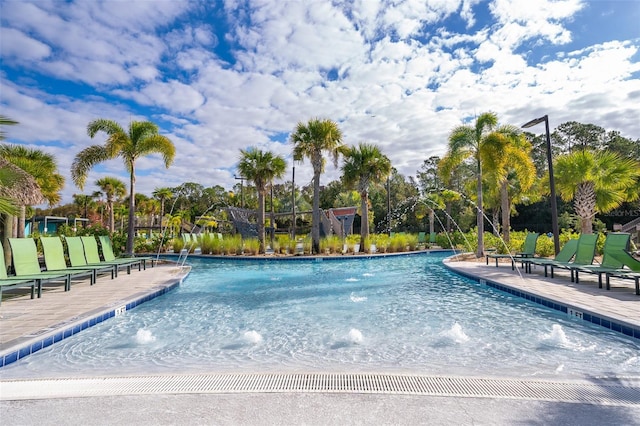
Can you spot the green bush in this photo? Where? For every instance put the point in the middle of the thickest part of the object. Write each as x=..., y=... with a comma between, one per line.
x=177, y=244
x=398, y=243
x=251, y=246
x=382, y=242
x=331, y=244
x=412, y=241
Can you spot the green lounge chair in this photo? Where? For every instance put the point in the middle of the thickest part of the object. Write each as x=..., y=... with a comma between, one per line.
x=92, y=255
x=54, y=259
x=26, y=264
x=75, y=249
x=528, y=251
x=564, y=256
x=585, y=252
x=107, y=253
x=422, y=237
x=615, y=242
x=432, y=237
x=633, y=273
x=6, y=281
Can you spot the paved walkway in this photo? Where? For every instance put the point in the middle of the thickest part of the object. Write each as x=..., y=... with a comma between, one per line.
x=620, y=303
x=23, y=319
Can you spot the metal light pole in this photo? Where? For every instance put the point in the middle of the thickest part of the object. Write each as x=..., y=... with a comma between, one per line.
x=552, y=183
x=241, y=179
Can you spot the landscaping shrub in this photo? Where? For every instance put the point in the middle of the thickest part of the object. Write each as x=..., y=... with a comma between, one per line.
x=251, y=246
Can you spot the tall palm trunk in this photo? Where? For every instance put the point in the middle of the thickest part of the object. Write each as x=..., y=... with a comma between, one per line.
x=432, y=221
x=585, y=205
x=364, y=225
x=495, y=221
x=7, y=228
x=111, y=215
x=131, y=227
x=21, y=221
x=315, y=222
x=505, y=207
x=261, y=197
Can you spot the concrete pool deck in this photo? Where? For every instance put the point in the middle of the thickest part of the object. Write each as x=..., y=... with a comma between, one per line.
x=49, y=402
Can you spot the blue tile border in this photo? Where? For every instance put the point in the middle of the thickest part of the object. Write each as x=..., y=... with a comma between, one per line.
x=625, y=329
x=61, y=334
x=313, y=258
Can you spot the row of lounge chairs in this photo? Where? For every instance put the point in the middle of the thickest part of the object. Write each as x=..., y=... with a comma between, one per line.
x=578, y=255
x=82, y=253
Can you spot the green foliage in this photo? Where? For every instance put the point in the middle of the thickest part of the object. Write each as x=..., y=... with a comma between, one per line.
x=458, y=239
x=284, y=243
x=398, y=243
x=382, y=242
x=210, y=244
x=118, y=242
x=177, y=244
x=251, y=246
x=331, y=244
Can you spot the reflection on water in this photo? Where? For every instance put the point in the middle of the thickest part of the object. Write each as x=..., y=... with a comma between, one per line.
x=401, y=314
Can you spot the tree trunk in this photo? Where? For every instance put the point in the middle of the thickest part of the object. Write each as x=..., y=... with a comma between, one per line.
x=131, y=227
x=111, y=216
x=448, y=207
x=14, y=227
x=432, y=222
x=261, y=195
x=364, y=225
x=495, y=221
x=21, y=221
x=585, y=206
x=315, y=222
x=479, y=213
x=7, y=230
x=505, y=206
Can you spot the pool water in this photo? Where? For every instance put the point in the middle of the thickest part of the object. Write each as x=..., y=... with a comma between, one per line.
x=405, y=314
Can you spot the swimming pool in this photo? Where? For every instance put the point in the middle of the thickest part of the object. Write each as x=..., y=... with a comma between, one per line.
x=404, y=314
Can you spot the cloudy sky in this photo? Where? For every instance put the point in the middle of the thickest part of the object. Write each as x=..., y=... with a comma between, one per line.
x=220, y=76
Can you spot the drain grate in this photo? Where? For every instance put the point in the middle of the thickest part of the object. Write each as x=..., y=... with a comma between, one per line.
x=608, y=392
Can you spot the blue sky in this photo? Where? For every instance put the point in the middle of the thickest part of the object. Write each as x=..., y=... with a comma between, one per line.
x=220, y=76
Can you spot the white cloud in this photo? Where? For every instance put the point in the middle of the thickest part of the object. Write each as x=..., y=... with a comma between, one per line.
x=390, y=72
x=22, y=48
x=521, y=20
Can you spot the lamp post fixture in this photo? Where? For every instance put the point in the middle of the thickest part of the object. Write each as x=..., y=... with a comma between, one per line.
x=552, y=184
x=241, y=179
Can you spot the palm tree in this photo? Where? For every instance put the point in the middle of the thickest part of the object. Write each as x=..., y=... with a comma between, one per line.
x=365, y=165
x=84, y=202
x=113, y=188
x=312, y=140
x=471, y=142
x=162, y=194
x=120, y=211
x=597, y=182
x=141, y=139
x=42, y=166
x=261, y=168
x=511, y=169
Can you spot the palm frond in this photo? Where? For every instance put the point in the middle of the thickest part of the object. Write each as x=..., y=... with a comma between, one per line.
x=85, y=160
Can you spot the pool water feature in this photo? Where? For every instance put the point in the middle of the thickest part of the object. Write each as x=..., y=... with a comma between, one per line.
x=401, y=314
